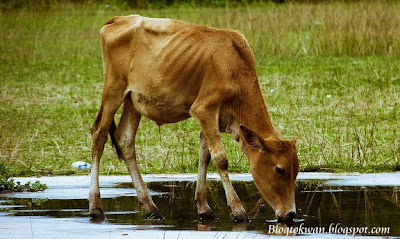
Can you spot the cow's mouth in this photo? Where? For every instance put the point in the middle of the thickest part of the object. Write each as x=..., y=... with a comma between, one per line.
x=288, y=219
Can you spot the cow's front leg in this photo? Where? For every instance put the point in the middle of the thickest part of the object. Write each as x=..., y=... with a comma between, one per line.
x=204, y=210
x=208, y=120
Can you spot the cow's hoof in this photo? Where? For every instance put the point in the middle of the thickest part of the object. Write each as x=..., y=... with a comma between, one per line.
x=97, y=215
x=208, y=215
x=241, y=217
x=155, y=215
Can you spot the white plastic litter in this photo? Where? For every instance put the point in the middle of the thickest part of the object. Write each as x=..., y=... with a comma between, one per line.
x=81, y=165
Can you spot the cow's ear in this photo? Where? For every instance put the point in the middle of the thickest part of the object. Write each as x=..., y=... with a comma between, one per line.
x=253, y=139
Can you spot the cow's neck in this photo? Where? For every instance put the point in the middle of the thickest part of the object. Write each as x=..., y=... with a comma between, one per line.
x=252, y=112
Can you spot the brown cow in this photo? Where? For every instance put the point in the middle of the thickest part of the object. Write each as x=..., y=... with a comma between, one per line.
x=168, y=71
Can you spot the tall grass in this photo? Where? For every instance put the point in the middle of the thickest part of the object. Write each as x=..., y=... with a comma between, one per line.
x=329, y=73
x=333, y=28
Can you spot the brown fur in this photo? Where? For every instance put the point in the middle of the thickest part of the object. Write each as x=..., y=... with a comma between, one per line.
x=168, y=71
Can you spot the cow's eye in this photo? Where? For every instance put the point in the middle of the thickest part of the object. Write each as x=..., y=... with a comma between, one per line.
x=280, y=170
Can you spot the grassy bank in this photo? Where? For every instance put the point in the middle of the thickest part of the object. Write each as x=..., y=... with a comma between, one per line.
x=330, y=74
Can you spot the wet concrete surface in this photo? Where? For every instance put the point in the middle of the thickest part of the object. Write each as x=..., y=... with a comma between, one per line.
x=323, y=199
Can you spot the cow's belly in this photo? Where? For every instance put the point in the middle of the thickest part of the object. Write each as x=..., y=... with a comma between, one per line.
x=159, y=110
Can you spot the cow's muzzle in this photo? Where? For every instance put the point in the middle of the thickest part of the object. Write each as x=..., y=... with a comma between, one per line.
x=288, y=218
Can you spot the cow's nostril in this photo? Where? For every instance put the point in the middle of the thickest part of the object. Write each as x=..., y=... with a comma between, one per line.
x=290, y=216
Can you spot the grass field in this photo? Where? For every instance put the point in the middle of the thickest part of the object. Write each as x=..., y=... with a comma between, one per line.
x=330, y=74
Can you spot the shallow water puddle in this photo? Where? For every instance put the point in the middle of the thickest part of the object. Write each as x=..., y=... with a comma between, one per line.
x=318, y=205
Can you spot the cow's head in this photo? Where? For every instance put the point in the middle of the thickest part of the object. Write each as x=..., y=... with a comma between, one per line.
x=274, y=166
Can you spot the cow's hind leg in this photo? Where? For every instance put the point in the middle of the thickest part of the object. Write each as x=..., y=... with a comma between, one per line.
x=204, y=210
x=125, y=141
x=111, y=101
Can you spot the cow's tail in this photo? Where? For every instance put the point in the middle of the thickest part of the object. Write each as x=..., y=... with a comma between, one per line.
x=114, y=143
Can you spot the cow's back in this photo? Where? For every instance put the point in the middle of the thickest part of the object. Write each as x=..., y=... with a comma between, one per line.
x=165, y=43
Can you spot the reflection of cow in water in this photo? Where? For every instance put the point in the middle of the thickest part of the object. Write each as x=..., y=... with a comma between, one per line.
x=168, y=71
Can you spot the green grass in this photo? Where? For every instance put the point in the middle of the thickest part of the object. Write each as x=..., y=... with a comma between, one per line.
x=9, y=184
x=330, y=74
